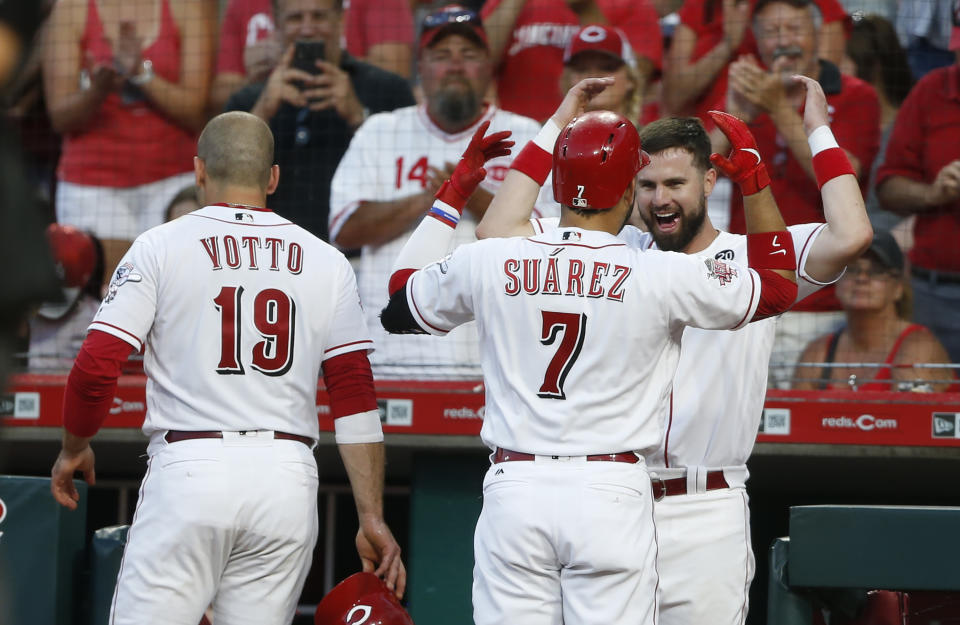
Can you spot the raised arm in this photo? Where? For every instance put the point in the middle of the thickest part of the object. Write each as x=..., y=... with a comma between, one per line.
x=499, y=24
x=848, y=232
x=508, y=215
x=770, y=249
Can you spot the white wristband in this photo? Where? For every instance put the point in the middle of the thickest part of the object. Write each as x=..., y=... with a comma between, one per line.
x=547, y=137
x=821, y=139
x=363, y=427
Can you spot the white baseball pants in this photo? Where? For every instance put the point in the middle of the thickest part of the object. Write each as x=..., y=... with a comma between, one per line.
x=230, y=522
x=565, y=541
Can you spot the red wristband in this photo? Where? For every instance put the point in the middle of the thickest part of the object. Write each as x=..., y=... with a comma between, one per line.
x=533, y=161
x=831, y=163
x=771, y=250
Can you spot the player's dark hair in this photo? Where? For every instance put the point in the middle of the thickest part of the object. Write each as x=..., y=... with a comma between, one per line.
x=684, y=133
x=275, y=6
x=875, y=49
x=237, y=149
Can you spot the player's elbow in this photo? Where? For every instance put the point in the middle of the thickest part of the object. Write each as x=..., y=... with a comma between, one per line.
x=777, y=294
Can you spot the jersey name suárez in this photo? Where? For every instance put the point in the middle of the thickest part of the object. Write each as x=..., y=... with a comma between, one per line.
x=235, y=309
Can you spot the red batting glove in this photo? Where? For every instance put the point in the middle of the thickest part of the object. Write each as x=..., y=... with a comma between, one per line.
x=469, y=172
x=744, y=165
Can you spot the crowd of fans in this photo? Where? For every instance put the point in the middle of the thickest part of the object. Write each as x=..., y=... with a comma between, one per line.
x=110, y=103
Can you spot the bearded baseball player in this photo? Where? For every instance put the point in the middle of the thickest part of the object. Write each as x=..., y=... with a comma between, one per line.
x=579, y=338
x=396, y=162
x=237, y=311
x=699, y=469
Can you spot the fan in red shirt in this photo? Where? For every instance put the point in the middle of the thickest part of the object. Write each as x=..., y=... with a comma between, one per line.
x=528, y=37
x=921, y=176
x=786, y=36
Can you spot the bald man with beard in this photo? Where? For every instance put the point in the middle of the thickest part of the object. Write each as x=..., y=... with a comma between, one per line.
x=238, y=309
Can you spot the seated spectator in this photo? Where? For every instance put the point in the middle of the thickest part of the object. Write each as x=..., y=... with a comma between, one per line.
x=921, y=176
x=770, y=101
x=874, y=55
x=379, y=32
x=58, y=328
x=528, y=37
x=713, y=33
x=313, y=116
x=126, y=86
x=386, y=183
x=186, y=201
x=875, y=296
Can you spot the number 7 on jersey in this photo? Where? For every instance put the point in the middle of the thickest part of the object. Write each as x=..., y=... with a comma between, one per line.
x=574, y=327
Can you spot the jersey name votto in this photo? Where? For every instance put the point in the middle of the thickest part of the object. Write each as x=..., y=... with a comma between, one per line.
x=253, y=252
x=571, y=276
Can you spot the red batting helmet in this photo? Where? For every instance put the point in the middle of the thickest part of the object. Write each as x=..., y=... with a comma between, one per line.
x=361, y=598
x=74, y=254
x=595, y=159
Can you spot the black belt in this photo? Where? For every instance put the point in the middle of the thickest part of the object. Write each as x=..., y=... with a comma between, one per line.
x=174, y=436
x=935, y=275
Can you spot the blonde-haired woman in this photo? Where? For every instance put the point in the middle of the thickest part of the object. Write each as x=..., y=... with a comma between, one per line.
x=596, y=51
x=875, y=295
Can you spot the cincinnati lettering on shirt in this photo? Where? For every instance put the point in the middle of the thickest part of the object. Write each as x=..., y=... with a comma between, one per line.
x=571, y=276
x=533, y=35
x=253, y=252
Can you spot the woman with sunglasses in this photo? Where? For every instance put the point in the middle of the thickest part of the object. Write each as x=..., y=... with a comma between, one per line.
x=876, y=298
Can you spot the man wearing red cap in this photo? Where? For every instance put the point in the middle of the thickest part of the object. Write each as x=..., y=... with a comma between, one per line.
x=396, y=162
x=596, y=51
x=921, y=176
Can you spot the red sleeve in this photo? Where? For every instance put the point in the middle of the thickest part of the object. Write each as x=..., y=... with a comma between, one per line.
x=831, y=10
x=642, y=29
x=349, y=384
x=92, y=383
x=230, y=52
x=691, y=15
x=904, y=156
x=777, y=294
x=371, y=23
x=859, y=131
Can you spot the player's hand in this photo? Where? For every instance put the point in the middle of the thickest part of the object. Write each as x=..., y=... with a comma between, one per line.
x=946, y=186
x=333, y=89
x=470, y=171
x=577, y=98
x=815, y=105
x=259, y=58
x=380, y=554
x=61, y=482
x=283, y=85
x=736, y=18
x=744, y=165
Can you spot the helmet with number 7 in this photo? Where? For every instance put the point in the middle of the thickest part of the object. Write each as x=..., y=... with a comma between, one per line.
x=595, y=159
x=361, y=599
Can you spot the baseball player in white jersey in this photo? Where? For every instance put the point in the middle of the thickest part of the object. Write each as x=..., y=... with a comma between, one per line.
x=699, y=469
x=396, y=161
x=237, y=311
x=579, y=337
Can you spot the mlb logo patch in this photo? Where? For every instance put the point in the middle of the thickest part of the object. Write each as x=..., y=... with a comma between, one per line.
x=245, y=217
x=571, y=236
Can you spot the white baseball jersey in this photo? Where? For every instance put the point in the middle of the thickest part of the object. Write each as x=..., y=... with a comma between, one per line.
x=388, y=159
x=721, y=381
x=236, y=308
x=579, y=333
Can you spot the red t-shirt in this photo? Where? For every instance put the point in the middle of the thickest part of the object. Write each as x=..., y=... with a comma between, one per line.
x=529, y=72
x=366, y=23
x=926, y=138
x=705, y=19
x=855, y=120
x=128, y=143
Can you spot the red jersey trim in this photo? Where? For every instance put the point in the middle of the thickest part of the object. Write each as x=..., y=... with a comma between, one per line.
x=246, y=207
x=347, y=345
x=416, y=309
x=138, y=345
x=591, y=247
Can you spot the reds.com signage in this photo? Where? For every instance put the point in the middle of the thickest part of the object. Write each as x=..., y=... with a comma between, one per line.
x=457, y=408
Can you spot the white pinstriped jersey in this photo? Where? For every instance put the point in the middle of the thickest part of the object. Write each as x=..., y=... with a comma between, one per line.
x=721, y=381
x=236, y=308
x=387, y=160
x=579, y=333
